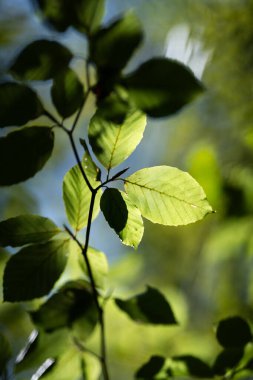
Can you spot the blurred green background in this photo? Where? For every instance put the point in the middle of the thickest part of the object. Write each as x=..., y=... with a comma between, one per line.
x=205, y=269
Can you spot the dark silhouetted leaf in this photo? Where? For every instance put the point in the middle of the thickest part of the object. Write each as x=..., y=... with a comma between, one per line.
x=33, y=271
x=150, y=369
x=74, y=301
x=5, y=353
x=19, y=104
x=113, y=108
x=41, y=60
x=23, y=153
x=167, y=195
x=161, y=86
x=112, y=47
x=233, y=332
x=84, y=15
x=196, y=367
x=113, y=143
x=122, y=216
x=67, y=93
x=25, y=229
x=148, y=307
x=227, y=359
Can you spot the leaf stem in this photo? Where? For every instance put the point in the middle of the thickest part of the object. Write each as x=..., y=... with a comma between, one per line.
x=94, y=289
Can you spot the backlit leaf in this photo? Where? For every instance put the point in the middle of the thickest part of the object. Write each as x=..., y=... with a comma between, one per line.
x=167, y=195
x=112, y=47
x=33, y=271
x=67, y=92
x=122, y=216
x=23, y=153
x=84, y=15
x=148, y=307
x=91, y=168
x=41, y=60
x=25, y=229
x=99, y=266
x=73, y=302
x=113, y=143
x=19, y=104
x=161, y=86
x=41, y=346
x=233, y=332
x=5, y=353
x=77, y=196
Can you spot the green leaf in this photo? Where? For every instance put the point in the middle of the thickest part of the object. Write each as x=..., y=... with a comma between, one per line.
x=227, y=359
x=73, y=303
x=77, y=195
x=5, y=353
x=99, y=266
x=167, y=195
x=161, y=86
x=40, y=347
x=23, y=153
x=113, y=108
x=67, y=92
x=112, y=47
x=233, y=332
x=122, y=216
x=90, y=165
x=26, y=229
x=196, y=367
x=150, y=369
x=73, y=365
x=19, y=104
x=41, y=60
x=33, y=271
x=112, y=143
x=84, y=15
x=148, y=307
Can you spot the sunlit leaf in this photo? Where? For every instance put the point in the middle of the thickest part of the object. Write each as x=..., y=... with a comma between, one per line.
x=113, y=46
x=90, y=166
x=23, y=153
x=148, y=307
x=84, y=15
x=33, y=271
x=77, y=196
x=113, y=143
x=19, y=104
x=67, y=92
x=150, y=369
x=5, y=353
x=167, y=195
x=99, y=266
x=25, y=229
x=41, y=60
x=122, y=216
x=161, y=86
x=72, y=303
x=233, y=332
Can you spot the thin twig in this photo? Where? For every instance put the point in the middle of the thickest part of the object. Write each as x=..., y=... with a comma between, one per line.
x=79, y=162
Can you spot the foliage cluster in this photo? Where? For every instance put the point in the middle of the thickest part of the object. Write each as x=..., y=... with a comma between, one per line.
x=70, y=308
